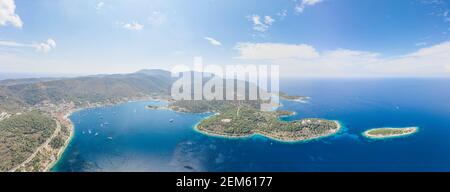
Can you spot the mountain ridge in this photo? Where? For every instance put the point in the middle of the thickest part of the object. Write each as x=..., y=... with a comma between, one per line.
x=28, y=92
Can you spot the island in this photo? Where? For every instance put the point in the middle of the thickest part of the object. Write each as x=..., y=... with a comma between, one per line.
x=236, y=119
x=295, y=98
x=382, y=133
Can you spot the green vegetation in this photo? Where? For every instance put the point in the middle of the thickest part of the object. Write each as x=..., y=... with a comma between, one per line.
x=292, y=97
x=204, y=106
x=17, y=94
x=243, y=118
x=380, y=133
x=20, y=135
x=57, y=142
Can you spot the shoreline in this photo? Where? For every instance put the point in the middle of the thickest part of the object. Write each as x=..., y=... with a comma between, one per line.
x=195, y=128
x=258, y=133
x=71, y=126
x=66, y=143
x=413, y=130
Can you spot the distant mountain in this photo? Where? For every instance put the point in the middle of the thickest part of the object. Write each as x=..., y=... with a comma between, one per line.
x=9, y=82
x=154, y=72
x=28, y=92
x=21, y=93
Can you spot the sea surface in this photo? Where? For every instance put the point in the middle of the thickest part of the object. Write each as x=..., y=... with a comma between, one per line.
x=128, y=137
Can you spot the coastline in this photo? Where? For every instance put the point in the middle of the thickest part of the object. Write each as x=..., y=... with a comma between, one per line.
x=366, y=133
x=61, y=151
x=268, y=136
x=257, y=133
x=71, y=125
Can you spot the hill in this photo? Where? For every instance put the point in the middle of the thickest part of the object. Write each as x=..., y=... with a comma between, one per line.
x=23, y=93
x=20, y=135
x=30, y=107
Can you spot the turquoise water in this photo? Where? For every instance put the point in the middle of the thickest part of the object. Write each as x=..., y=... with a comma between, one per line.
x=128, y=137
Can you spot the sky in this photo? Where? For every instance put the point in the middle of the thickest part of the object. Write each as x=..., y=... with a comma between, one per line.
x=319, y=38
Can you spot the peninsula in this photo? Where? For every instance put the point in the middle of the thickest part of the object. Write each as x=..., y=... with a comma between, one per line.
x=235, y=119
x=295, y=98
x=382, y=133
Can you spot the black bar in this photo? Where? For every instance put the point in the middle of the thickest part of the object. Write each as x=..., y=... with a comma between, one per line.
x=168, y=181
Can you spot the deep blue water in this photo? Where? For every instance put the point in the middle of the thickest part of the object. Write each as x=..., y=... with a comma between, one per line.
x=145, y=140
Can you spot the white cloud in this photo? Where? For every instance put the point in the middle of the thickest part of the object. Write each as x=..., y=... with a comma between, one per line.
x=133, y=26
x=100, y=5
x=282, y=14
x=213, y=41
x=8, y=15
x=304, y=60
x=43, y=47
x=259, y=25
x=440, y=50
x=304, y=3
x=157, y=18
x=268, y=20
x=274, y=51
x=46, y=46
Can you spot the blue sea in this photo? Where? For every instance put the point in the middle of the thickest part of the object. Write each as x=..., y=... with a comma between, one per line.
x=128, y=137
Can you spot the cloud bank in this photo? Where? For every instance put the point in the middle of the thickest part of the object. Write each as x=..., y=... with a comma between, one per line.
x=305, y=60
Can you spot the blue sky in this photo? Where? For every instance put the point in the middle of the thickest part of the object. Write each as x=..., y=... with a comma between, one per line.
x=310, y=37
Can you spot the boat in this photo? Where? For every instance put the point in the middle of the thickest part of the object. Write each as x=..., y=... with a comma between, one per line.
x=110, y=138
x=171, y=120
